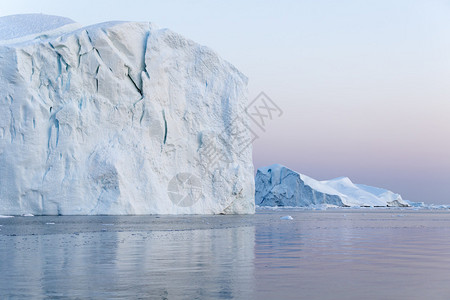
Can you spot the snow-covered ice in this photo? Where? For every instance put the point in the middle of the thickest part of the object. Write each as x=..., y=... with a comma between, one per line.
x=25, y=27
x=277, y=185
x=100, y=119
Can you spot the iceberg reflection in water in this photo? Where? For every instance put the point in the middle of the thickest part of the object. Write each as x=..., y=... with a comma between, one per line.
x=397, y=253
x=102, y=259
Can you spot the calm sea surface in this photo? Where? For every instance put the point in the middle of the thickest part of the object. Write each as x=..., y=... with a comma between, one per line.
x=332, y=254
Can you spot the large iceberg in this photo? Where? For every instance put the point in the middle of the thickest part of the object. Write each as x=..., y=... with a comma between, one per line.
x=118, y=118
x=278, y=185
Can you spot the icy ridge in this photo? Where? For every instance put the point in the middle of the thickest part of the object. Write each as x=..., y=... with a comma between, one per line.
x=278, y=185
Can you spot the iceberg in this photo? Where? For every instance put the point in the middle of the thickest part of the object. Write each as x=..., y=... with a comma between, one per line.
x=118, y=118
x=278, y=185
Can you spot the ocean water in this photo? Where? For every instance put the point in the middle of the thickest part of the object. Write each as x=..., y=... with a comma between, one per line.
x=330, y=254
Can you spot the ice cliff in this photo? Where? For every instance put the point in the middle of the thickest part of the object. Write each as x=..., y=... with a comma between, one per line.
x=118, y=118
x=277, y=185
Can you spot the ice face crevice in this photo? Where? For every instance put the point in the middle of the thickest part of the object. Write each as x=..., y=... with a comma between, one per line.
x=99, y=120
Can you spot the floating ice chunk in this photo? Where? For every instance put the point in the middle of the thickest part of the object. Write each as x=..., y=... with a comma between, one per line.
x=5, y=217
x=415, y=204
x=287, y=218
x=27, y=215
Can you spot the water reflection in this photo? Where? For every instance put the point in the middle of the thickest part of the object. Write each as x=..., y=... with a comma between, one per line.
x=317, y=255
x=188, y=264
x=353, y=255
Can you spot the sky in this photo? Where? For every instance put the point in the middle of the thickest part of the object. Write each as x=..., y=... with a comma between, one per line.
x=364, y=86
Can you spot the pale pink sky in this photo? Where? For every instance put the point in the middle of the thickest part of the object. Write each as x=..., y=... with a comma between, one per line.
x=364, y=85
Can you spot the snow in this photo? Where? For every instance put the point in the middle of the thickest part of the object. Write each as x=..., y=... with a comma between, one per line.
x=277, y=185
x=106, y=119
x=26, y=27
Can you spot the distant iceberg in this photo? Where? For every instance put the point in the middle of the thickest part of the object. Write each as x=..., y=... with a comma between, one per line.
x=278, y=185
